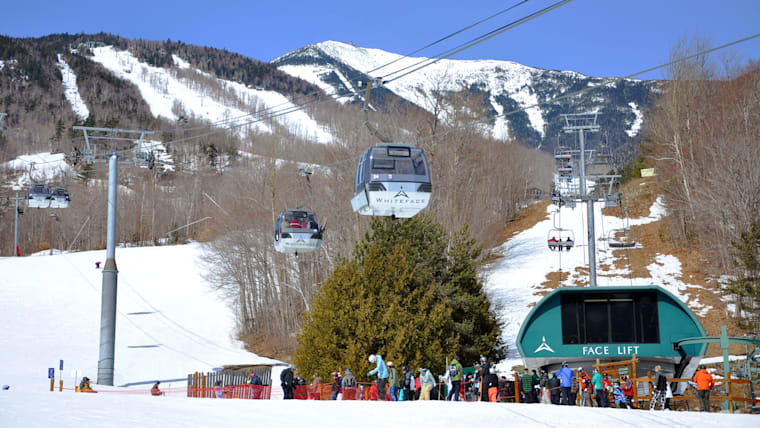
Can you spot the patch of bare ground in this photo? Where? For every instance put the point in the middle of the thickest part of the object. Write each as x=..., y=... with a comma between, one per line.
x=696, y=270
x=268, y=347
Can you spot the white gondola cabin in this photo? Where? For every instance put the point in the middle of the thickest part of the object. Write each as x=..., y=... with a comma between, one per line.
x=38, y=196
x=297, y=231
x=59, y=198
x=392, y=180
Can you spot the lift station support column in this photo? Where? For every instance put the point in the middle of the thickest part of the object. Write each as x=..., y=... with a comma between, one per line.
x=110, y=276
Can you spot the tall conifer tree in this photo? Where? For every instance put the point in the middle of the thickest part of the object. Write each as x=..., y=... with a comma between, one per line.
x=410, y=293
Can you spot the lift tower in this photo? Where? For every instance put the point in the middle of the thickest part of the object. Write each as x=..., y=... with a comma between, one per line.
x=581, y=123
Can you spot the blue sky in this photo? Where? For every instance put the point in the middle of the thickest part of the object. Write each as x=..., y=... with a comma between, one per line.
x=594, y=37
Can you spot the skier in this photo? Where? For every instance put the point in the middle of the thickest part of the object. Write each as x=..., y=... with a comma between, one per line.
x=382, y=373
x=349, y=384
x=315, y=393
x=483, y=378
x=543, y=382
x=286, y=381
x=155, y=391
x=84, y=386
x=554, y=389
x=566, y=382
x=455, y=371
x=393, y=381
x=599, y=392
x=428, y=382
x=705, y=383
x=620, y=399
x=408, y=383
x=337, y=383
x=660, y=388
x=526, y=380
x=493, y=385
x=586, y=388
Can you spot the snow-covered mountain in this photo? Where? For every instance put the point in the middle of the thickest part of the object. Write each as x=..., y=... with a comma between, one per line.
x=507, y=86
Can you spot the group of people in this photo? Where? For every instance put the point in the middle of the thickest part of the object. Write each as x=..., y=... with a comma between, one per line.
x=555, y=243
x=563, y=386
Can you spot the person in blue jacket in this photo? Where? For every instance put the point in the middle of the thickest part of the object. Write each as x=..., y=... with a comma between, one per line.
x=565, y=381
x=382, y=374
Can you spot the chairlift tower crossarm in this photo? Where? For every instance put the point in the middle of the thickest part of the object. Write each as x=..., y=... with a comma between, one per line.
x=90, y=153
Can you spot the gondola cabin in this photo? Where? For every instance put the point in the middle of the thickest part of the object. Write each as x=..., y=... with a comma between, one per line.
x=297, y=231
x=38, y=196
x=59, y=198
x=581, y=324
x=392, y=180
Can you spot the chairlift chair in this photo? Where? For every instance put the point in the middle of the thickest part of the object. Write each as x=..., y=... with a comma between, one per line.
x=392, y=180
x=626, y=240
x=612, y=200
x=559, y=239
x=38, y=196
x=59, y=198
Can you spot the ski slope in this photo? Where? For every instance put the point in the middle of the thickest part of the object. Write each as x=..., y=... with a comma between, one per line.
x=165, y=91
x=169, y=322
x=514, y=280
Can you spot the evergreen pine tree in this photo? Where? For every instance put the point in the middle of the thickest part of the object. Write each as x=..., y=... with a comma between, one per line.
x=410, y=293
x=747, y=286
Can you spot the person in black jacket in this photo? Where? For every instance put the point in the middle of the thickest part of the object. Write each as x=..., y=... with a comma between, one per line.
x=554, y=388
x=483, y=375
x=286, y=381
x=660, y=390
x=408, y=383
x=336, y=385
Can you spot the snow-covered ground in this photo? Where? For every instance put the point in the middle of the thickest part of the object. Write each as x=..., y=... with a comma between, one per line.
x=514, y=280
x=169, y=323
x=39, y=167
x=164, y=91
x=67, y=409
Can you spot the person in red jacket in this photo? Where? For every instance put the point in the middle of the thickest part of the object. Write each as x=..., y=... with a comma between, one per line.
x=705, y=383
x=628, y=389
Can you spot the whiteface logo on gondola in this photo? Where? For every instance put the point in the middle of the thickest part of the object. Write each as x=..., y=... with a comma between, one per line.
x=544, y=346
x=401, y=193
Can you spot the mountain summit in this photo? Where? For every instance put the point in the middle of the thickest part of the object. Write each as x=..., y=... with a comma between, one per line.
x=525, y=102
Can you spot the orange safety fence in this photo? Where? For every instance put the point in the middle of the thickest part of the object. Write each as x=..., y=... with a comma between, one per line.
x=244, y=392
x=164, y=391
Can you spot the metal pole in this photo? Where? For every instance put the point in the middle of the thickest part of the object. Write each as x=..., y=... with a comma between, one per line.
x=591, y=237
x=15, y=229
x=110, y=276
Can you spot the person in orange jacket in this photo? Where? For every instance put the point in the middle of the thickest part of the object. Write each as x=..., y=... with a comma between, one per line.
x=705, y=383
